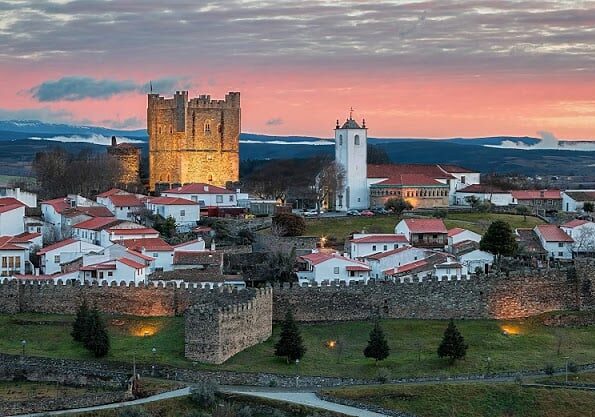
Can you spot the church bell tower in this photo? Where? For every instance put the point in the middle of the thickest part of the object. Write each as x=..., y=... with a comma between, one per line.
x=351, y=141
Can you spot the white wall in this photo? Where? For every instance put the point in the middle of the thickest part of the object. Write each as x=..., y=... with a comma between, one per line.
x=325, y=271
x=354, y=159
x=476, y=259
x=395, y=260
x=359, y=250
x=465, y=235
x=219, y=200
x=25, y=197
x=16, y=258
x=51, y=265
x=12, y=222
x=402, y=229
x=497, y=199
x=191, y=214
x=195, y=245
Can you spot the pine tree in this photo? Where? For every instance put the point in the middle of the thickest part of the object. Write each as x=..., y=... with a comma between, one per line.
x=499, y=239
x=453, y=344
x=97, y=338
x=377, y=345
x=290, y=344
x=79, y=327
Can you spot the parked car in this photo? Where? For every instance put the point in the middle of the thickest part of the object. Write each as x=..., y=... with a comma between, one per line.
x=353, y=213
x=367, y=213
x=380, y=210
x=312, y=212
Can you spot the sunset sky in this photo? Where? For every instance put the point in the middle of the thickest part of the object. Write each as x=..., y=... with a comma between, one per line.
x=411, y=68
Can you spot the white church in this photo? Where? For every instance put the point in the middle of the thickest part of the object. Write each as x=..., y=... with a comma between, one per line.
x=370, y=186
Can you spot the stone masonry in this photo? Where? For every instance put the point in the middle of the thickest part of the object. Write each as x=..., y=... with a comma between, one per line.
x=193, y=140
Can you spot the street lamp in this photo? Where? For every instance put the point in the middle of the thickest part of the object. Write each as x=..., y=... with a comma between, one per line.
x=297, y=373
x=566, y=377
x=23, y=344
x=489, y=363
x=154, y=350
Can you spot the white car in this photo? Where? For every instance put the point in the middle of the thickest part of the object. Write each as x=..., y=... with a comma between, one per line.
x=312, y=212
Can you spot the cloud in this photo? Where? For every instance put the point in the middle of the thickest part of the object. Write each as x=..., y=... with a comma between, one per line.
x=44, y=114
x=94, y=139
x=75, y=88
x=129, y=123
x=277, y=121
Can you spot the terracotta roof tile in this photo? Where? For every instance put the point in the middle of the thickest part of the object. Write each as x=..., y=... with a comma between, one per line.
x=552, y=233
x=97, y=223
x=385, y=238
x=197, y=258
x=57, y=245
x=111, y=192
x=381, y=255
x=575, y=223
x=483, y=188
x=389, y=170
x=150, y=244
x=172, y=201
x=126, y=200
x=536, y=194
x=426, y=225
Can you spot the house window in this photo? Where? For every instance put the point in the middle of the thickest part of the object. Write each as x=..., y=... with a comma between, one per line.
x=231, y=198
x=56, y=259
x=560, y=253
x=463, y=179
x=385, y=247
x=395, y=246
x=560, y=244
x=219, y=199
x=182, y=213
x=110, y=274
x=336, y=270
x=155, y=255
x=373, y=247
x=356, y=140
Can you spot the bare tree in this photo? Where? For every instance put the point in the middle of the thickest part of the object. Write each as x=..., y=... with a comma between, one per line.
x=329, y=181
x=584, y=241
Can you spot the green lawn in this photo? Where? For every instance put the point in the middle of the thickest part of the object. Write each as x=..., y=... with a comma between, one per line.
x=10, y=179
x=341, y=227
x=475, y=400
x=413, y=344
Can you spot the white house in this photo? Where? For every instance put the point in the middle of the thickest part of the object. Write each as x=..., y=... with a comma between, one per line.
x=185, y=212
x=457, y=235
x=496, y=196
x=27, y=198
x=124, y=206
x=351, y=141
x=583, y=234
x=126, y=231
x=555, y=241
x=13, y=257
x=450, y=269
x=60, y=214
x=319, y=267
x=362, y=244
x=156, y=248
x=426, y=232
x=574, y=200
x=196, y=245
x=12, y=215
x=120, y=269
x=65, y=251
x=385, y=262
x=473, y=259
x=207, y=195
x=90, y=230
x=463, y=178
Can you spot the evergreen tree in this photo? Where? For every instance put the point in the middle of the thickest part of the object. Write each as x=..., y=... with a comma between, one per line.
x=79, y=327
x=499, y=239
x=97, y=338
x=377, y=345
x=453, y=344
x=290, y=344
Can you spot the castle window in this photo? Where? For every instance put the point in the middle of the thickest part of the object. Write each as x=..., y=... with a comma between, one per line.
x=209, y=157
x=356, y=139
x=159, y=130
x=219, y=128
x=208, y=126
x=210, y=177
x=171, y=129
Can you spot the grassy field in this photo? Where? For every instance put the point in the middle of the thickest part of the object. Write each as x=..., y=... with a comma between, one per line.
x=475, y=400
x=413, y=344
x=10, y=179
x=32, y=391
x=341, y=227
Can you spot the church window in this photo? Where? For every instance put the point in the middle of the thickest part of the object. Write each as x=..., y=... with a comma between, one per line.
x=207, y=126
x=340, y=140
x=356, y=139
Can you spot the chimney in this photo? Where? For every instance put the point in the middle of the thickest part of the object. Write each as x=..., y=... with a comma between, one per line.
x=114, y=141
x=213, y=245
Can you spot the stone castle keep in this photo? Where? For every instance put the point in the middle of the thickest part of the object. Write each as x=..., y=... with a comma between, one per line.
x=194, y=140
x=129, y=158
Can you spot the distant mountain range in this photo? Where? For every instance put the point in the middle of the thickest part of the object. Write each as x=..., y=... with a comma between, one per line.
x=21, y=139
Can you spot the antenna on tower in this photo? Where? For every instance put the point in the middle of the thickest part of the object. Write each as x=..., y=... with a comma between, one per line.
x=151, y=86
x=351, y=113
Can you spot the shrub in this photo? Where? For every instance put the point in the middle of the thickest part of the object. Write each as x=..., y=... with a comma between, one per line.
x=244, y=412
x=383, y=375
x=272, y=383
x=572, y=367
x=440, y=214
x=203, y=394
x=549, y=369
x=287, y=224
x=397, y=205
x=225, y=410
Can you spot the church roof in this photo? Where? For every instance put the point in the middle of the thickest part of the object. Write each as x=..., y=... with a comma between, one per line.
x=350, y=124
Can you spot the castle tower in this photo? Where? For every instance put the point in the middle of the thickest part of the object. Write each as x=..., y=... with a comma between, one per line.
x=129, y=157
x=351, y=141
x=194, y=140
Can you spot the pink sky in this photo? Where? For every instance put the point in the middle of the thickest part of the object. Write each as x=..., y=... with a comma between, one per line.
x=299, y=69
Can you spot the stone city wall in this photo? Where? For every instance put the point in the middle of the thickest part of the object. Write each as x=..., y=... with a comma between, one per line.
x=214, y=332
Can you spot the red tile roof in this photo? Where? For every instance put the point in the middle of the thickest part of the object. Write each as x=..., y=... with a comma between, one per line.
x=97, y=223
x=133, y=231
x=198, y=188
x=386, y=238
x=59, y=204
x=410, y=180
x=140, y=255
x=172, y=201
x=552, y=233
x=155, y=244
x=456, y=169
x=102, y=266
x=25, y=237
x=131, y=263
x=426, y=225
x=483, y=189
x=6, y=243
x=111, y=192
x=575, y=223
x=126, y=200
x=95, y=211
x=455, y=231
x=390, y=170
x=537, y=194
x=9, y=204
x=57, y=245
x=197, y=258
x=357, y=268
x=190, y=242
x=320, y=257
x=381, y=255
x=406, y=268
